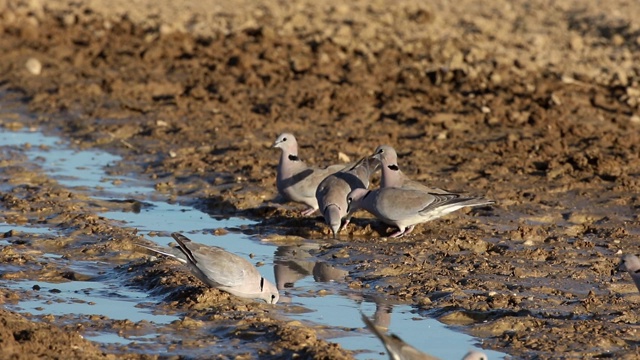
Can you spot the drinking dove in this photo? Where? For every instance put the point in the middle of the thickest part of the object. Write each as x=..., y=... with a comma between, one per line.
x=631, y=263
x=295, y=180
x=392, y=176
x=475, y=355
x=400, y=350
x=333, y=190
x=405, y=208
x=221, y=269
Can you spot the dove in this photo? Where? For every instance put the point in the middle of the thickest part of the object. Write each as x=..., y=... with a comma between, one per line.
x=392, y=176
x=475, y=355
x=295, y=180
x=631, y=264
x=400, y=350
x=221, y=269
x=405, y=208
x=333, y=190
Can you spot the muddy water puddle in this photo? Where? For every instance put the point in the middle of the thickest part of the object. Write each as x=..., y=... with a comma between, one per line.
x=312, y=291
x=73, y=168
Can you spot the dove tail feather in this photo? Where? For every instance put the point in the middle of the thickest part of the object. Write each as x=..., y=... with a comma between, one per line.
x=161, y=252
x=182, y=242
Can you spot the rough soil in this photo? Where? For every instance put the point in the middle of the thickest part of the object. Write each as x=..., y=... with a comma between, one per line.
x=533, y=104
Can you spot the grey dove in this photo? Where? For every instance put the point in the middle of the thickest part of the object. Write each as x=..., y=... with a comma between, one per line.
x=631, y=264
x=405, y=208
x=221, y=269
x=400, y=350
x=295, y=180
x=333, y=190
x=392, y=175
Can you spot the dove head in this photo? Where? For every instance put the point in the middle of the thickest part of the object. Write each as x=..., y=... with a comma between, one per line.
x=354, y=199
x=287, y=142
x=269, y=292
x=475, y=355
x=391, y=174
x=630, y=263
x=386, y=155
x=333, y=217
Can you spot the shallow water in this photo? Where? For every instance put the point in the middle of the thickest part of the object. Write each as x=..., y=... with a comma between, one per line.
x=104, y=297
x=304, y=281
x=64, y=164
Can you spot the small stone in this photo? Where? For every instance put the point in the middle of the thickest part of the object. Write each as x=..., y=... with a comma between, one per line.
x=342, y=254
x=617, y=40
x=425, y=301
x=221, y=231
x=34, y=66
x=576, y=43
x=300, y=63
x=343, y=157
x=166, y=29
x=69, y=20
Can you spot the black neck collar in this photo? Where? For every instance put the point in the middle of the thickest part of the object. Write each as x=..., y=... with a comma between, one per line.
x=393, y=167
x=294, y=157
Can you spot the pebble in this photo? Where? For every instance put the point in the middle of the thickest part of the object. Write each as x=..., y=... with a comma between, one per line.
x=34, y=66
x=343, y=157
x=69, y=20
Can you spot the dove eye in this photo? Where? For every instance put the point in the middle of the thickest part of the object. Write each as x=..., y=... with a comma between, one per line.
x=284, y=139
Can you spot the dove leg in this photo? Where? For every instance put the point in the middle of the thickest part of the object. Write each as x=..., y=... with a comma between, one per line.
x=308, y=212
x=345, y=223
x=409, y=229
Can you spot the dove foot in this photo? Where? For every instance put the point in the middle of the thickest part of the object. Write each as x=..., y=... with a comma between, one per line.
x=397, y=234
x=402, y=232
x=308, y=212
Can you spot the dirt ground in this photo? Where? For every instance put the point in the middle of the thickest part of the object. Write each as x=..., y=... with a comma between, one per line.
x=533, y=104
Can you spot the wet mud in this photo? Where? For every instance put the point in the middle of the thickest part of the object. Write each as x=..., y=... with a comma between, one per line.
x=534, y=105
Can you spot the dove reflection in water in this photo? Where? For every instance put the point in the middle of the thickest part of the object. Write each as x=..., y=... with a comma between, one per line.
x=295, y=262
